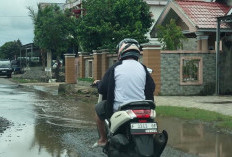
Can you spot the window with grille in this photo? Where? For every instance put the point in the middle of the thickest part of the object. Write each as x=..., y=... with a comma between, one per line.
x=191, y=71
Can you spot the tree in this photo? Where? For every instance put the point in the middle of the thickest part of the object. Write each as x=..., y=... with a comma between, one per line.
x=224, y=1
x=170, y=36
x=54, y=29
x=106, y=22
x=10, y=50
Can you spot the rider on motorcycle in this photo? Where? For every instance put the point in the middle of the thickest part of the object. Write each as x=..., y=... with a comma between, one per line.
x=127, y=80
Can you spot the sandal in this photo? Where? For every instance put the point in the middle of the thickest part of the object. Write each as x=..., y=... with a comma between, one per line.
x=95, y=145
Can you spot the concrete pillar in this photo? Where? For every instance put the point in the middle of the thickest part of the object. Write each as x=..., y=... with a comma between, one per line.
x=70, y=69
x=198, y=43
x=97, y=68
x=152, y=59
x=82, y=66
x=204, y=43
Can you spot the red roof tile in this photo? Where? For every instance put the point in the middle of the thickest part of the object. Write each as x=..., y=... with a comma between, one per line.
x=203, y=14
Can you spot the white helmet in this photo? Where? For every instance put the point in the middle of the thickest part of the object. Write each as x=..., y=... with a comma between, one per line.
x=128, y=48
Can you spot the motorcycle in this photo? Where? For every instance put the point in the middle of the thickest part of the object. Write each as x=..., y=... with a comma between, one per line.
x=132, y=131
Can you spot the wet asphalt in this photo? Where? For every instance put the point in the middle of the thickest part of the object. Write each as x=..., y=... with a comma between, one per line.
x=44, y=124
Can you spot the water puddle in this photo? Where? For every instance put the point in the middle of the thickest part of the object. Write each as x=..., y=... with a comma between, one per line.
x=196, y=138
x=41, y=140
x=66, y=122
x=29, y=135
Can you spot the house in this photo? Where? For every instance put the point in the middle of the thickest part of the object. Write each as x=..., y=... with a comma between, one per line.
x=75, y=6
x=197, y=20
x=30, y=55
x=192, y=71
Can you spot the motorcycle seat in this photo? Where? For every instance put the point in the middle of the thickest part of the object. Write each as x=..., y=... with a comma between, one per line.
x=145, y=104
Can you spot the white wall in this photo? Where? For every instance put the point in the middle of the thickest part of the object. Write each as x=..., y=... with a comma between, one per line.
x=156, y=8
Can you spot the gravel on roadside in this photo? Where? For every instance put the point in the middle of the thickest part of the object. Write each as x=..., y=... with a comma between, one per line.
x=4, y=124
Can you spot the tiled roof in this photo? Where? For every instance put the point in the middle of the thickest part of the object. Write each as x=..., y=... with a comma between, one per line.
x=203, y=14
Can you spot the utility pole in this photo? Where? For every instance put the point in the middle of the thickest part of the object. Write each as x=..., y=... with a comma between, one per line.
x=217, y=55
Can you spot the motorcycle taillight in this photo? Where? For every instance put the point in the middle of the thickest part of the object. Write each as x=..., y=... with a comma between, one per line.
x=142, y=113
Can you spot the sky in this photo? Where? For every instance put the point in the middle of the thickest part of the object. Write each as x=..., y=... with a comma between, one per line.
x=14, y=20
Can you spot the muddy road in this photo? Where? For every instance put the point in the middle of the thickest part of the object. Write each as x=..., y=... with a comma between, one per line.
x=48, y=125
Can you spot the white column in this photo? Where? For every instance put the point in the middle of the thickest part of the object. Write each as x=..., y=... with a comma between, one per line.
x=48, y=69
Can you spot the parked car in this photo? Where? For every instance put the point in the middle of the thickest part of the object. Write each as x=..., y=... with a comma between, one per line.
x=5, y=68
x=15, y=66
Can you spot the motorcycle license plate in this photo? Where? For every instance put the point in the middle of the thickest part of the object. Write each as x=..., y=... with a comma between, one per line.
x=143, y=128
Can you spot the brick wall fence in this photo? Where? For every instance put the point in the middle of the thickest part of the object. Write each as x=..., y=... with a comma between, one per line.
x=168, y=69
x=95, y=65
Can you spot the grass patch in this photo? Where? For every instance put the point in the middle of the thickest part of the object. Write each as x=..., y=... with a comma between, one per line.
x=86, y=79
x=225, y=124
x=220, y=120
x=20, y=80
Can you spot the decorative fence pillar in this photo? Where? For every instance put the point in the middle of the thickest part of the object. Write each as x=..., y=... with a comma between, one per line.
x=104, y=63
x=70, y=69
x=97, y=68
x=151, y=58
x=82, y=66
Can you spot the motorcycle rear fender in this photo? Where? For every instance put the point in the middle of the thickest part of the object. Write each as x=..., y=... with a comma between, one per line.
x=144, y=145
x=118, y=119
x=160, y=142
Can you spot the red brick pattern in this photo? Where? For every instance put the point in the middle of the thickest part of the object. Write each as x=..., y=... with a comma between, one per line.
x=151, y=58
x=97, y=72
x=70, y=70
x=104, y=63
x=81, y=67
